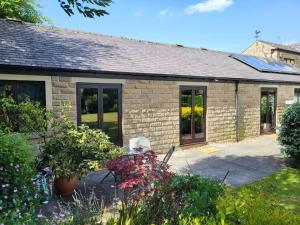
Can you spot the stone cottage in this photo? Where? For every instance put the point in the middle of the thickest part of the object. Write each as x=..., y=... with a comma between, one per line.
x=128, y=88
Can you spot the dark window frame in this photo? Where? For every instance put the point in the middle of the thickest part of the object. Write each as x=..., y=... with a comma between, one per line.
x=273, y=130
x=193, y=140
x=100, y=88
x=16, y=83
x=297, y=93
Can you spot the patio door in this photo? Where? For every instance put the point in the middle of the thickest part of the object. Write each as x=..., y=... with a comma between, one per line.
x=268, y=110
x=99, y=107
x=192, y=114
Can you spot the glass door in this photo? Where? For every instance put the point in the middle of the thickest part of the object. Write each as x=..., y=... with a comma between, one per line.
x=99, y=107
x=268, y=110
x=192, y=114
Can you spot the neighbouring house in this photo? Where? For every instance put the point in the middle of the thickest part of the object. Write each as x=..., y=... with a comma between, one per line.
x=289, y=54
x=168, y=93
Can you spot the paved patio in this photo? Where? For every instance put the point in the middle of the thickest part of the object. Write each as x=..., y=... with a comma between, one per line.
x=246, y=161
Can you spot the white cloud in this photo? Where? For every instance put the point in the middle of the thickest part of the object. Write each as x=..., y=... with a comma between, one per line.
x=209, y=6
x=166, y=12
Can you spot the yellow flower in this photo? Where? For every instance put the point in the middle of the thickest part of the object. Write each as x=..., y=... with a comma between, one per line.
x=186, y=111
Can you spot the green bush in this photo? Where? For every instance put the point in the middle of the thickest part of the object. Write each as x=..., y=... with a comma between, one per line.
x=74, y=150
x=17, y=197
x=184, y=198
x=289, y=135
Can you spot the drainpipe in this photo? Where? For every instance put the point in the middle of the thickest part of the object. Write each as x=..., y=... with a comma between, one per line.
x=237, y=111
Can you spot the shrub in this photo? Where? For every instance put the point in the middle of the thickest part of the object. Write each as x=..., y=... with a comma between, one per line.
x=289, y=135
x=26, y=117
x=82, y=210
x=73, y=151
x=140, y=175
x=17, y=197
x=186, y=196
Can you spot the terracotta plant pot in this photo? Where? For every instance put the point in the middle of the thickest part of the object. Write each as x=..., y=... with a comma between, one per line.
x=63, y=186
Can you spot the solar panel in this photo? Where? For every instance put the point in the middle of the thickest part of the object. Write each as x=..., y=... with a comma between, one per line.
x=266, y=64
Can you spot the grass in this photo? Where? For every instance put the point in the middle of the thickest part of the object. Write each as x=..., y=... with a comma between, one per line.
x=283, y=185
x=107, y=117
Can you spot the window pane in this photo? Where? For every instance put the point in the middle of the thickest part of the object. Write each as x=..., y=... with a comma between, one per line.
x=297, y=95
x=28, y=91
x=110, y=113
x=198, y=111
x=186, y=114
x=268, y=121
x=6, y=89
x=89, y=107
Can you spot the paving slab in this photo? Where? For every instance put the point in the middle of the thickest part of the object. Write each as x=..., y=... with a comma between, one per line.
x=246, y=161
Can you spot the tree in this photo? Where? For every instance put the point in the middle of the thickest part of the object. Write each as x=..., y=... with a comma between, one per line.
x=84, y=7
x=28, y=10
x=24, y=10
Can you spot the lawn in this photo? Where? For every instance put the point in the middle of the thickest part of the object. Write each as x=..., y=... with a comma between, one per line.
x=107, y=117
x=283, y=185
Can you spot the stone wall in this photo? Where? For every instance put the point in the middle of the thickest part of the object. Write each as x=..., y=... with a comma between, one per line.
x=64, y=92
x=151, y=109
x=249, y=110
x=284, y=93
x=220, y=119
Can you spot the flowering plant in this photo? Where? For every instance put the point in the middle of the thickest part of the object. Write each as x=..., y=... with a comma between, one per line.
x=73, y=151
x=17, y=193
x=139, y=175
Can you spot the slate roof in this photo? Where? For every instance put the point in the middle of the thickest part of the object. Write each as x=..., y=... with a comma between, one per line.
x=295, y=46
x=282, y=47
x=24, y=44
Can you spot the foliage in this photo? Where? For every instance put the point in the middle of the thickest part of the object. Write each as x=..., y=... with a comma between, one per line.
x=84, y=7
x=139, y=175
x=186, y=112
x=82, y=210
x=247, y=207
x=184, y=198
x=24, y=10
x=289, y=135
x=73, y=151
x=17, y=194
x=27, y=117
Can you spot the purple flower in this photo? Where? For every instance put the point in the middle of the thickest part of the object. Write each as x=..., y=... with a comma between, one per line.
x=40, y=215
x=15, y=190
x=5, y=197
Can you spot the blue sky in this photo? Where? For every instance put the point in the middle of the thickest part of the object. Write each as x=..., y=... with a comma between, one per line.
x=226, y=25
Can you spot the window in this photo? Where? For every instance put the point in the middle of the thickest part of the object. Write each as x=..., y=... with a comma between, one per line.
x=22, y=91
x=297, y=95
x=99, y=107
x=192, y=114
x=268, y=110
x=289, y=61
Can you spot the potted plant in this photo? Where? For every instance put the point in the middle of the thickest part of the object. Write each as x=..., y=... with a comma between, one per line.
x=71, y=152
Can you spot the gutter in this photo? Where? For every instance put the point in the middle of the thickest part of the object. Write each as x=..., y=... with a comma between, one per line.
x=237, y=111
x=50, y=71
